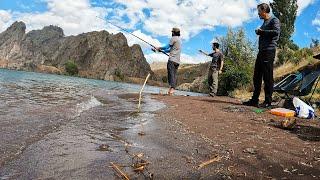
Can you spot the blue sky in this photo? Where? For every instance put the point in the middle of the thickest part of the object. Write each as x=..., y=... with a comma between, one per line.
x=200, y=20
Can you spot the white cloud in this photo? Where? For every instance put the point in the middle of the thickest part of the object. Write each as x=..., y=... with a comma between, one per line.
x=5, y=19
x=73, y=17
x=316, y=21
x=302, y=4
x=133, y=40
x=194, y=59
x=156, y=57
x=192, y=16
x=156, y=17
x=185, y=58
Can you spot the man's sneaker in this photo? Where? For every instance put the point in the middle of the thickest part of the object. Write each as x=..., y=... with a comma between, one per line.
x=251, y=103
x=212, y=94
x=265, y=105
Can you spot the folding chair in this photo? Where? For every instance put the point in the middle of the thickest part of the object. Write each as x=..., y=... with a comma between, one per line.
x=299, y=84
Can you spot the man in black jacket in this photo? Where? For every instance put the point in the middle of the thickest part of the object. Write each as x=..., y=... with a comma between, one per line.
x=268, y=34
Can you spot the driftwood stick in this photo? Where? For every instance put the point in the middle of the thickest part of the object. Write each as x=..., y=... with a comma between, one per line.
x=118, y=170
x=140, y=94
x=206, y=163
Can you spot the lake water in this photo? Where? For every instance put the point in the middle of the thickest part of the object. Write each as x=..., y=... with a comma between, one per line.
x=51, y=126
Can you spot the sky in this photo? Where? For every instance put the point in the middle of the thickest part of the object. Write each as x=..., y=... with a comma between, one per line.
x=200, y=21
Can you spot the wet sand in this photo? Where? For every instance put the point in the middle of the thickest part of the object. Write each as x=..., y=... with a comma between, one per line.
x=252, y=145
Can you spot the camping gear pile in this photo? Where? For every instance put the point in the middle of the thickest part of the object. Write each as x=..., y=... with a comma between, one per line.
x=296, y=85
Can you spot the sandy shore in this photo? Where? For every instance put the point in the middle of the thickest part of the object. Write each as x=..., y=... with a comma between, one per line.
x=248, y=145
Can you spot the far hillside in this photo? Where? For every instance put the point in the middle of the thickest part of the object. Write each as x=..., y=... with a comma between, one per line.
x=187, y=73
x=158, y=65
x=290, y=67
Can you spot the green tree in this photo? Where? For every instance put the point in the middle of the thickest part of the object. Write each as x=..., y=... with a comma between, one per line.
x=239, y=59
x=236, y=47
x=286, y=12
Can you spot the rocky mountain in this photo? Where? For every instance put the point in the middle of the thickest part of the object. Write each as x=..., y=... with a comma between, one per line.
x=98, y=55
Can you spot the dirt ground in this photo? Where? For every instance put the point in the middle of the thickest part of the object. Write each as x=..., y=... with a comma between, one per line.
x=251, y=144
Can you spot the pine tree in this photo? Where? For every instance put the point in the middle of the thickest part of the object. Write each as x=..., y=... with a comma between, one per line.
x=286, y=12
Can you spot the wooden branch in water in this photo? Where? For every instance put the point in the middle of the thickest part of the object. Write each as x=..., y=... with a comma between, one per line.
x=140, y=94
x=118, y=170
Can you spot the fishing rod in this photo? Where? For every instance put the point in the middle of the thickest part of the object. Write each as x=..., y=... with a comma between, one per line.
x=154, y=48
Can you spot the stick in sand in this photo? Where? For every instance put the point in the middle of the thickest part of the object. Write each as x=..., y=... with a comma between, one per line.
x=140, y=94
x=216, y=159
x=115, y=167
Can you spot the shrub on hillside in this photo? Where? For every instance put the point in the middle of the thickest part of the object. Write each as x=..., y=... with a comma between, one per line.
x=164, y=79
x=303, y=53
x=285, y=55
x=118, y=73
x=71, y=68
x=234, y=77
x=289, y=55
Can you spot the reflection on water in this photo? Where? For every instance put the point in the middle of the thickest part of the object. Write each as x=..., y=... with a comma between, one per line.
x=51, y=123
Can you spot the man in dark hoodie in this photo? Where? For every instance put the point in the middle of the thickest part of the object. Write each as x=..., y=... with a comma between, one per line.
x=268, y=34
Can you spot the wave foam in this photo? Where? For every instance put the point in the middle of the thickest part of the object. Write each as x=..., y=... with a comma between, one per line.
x=85, y=106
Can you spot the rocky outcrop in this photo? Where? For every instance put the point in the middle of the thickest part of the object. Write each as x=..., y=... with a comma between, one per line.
x=48, y=69
x=98, y=55
x=198, y=85
x=191, y=77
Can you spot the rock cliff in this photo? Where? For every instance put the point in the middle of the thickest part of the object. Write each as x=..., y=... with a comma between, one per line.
x=98, y=55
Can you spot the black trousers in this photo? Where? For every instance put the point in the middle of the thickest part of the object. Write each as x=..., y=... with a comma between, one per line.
x=263, y=70
x=172, y=68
